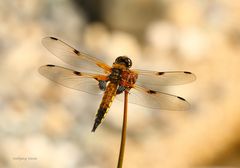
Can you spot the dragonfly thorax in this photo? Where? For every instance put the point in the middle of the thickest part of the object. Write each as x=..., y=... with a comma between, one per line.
x=115, y=75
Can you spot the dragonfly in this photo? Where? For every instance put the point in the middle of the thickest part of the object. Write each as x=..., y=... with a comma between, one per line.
x=97, y=77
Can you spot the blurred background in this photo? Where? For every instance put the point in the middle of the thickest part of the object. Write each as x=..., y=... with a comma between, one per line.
x=44, y=125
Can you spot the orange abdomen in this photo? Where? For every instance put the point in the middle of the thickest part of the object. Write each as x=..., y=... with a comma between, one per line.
x=107, y=99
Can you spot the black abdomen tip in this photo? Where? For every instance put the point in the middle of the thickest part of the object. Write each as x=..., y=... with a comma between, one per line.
x=99, y=116
x=95, y=126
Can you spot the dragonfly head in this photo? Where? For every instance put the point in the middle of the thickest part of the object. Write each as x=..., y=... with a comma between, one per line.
x=124, y=60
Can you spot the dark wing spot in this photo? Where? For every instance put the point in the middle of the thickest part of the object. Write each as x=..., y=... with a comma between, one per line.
x=77, y=73
x=181, y=98
x=76, y=51
x=186, y=72
x=151, y=92
x=53, y=38
x=49, y=65
x=160, y=73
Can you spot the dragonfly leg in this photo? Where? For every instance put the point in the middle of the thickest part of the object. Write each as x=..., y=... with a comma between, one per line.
x=120, y=89
x=102, y=85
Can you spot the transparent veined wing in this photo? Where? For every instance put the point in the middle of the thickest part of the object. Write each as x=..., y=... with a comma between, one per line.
x=74, y=57
x=155, y=80
x=82, y=81
x=155, y=99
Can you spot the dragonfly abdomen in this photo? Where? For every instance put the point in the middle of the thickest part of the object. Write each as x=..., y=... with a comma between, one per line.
x=107, y=99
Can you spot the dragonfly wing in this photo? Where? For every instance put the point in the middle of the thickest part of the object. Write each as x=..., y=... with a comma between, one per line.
x=155, y=100
x=155, y=80
x=74, y=57
x=82, y=81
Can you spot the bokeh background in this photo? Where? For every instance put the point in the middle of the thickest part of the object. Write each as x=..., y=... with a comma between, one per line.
x=44, y=125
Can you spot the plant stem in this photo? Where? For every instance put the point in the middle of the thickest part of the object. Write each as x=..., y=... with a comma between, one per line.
x=124, y=131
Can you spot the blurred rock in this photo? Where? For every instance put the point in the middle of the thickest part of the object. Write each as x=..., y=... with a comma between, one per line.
x=193, y=44
x=37, y=151
x=111, y=44
x=132, y=16
x=161, y=35
x=186, y=13
x=57, y=122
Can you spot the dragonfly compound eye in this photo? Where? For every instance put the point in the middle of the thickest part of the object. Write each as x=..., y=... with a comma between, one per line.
x=124, y=60
x=128, y=62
